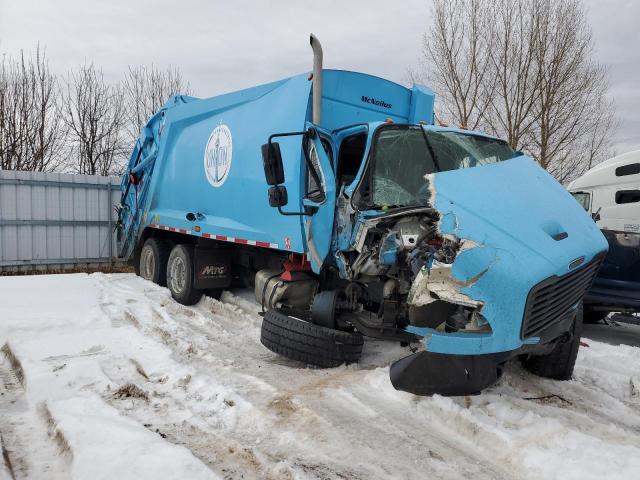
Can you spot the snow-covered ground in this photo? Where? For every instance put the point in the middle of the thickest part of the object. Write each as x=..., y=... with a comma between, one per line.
x=105, y=376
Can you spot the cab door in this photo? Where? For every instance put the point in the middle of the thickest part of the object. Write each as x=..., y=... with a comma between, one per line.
x=320, y=197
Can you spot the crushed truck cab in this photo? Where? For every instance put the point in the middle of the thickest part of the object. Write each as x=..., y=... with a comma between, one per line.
x=336, y=198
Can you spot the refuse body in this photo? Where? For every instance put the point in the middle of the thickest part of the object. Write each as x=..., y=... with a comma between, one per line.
x=351, y=214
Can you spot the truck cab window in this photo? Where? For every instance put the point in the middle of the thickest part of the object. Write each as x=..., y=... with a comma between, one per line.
x=350, y=157
x=583, y=198
x=403, y=155
x=402, y=158
x=315, y=188
x=631, y=169
x=627, y=196
x=456, y=150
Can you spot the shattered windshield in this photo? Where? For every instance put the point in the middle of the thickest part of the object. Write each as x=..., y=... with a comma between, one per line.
x=403, y=155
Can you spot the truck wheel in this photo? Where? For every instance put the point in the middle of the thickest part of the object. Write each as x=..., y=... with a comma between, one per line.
x=180, y=276
x=309, y=343
x=558, y=364
x=152, y=263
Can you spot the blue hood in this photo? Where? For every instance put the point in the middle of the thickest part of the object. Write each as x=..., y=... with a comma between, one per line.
x=512, y=210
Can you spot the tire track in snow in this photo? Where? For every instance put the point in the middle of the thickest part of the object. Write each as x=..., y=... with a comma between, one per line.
x=194, y=333
x=171, y=401
x=295, y=396
x=488, y=436
x=28, y=442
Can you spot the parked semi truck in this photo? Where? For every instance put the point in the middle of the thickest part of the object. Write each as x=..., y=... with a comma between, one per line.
x=610, y=193
x=350, y=213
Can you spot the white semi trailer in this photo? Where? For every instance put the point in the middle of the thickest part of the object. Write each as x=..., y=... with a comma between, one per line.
x=610, y=192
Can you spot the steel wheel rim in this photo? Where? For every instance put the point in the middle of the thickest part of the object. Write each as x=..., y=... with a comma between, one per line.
x=148, y=264
x=178, y=274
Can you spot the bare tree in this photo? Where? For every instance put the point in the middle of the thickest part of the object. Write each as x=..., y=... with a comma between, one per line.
x=146, y=90
x=31, y=131
x=455, y=59
x=94, y=114
x=514, y=70
x=574, y=119
x=523, y=70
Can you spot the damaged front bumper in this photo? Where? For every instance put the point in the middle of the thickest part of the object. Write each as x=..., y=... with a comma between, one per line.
x=449, y=374
x=428, y=373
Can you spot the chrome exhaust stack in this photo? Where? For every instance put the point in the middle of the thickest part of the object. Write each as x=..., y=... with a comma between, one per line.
x=317, y=79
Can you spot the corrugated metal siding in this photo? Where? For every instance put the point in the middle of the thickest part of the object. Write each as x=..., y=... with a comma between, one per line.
x=56, y=219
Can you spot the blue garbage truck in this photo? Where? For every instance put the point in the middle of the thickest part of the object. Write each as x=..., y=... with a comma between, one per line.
x=335, y=197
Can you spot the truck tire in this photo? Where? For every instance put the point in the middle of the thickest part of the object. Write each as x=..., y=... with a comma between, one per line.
x=558, y=364
x=180, y=275
x=152, y=261
x=309, y=343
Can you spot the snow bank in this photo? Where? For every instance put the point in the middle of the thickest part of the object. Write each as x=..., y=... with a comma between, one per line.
x=66, y=344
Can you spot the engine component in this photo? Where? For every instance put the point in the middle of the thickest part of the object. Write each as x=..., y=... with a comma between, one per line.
x=411, y=231
x=389, y=250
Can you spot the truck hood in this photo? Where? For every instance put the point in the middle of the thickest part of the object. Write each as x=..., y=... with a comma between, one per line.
x=516, y=202
x=519, y=226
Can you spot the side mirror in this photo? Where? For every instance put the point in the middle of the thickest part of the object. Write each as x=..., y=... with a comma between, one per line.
x=278, y=196
x=274, y=172
x=272, y=162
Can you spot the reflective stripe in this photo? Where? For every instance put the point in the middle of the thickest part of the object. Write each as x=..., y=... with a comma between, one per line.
x=223, y=238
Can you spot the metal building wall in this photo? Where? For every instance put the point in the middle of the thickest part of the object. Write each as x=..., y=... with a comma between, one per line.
x=55, y=220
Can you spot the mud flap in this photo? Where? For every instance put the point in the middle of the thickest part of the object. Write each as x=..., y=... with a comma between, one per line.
x=428, y=373
x=212, y=268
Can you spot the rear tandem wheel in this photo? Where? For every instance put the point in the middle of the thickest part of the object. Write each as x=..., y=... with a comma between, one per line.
x=181, y=276
x=152, y=261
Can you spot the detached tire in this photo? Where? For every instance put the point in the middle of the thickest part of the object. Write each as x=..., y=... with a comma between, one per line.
x=558, y=364
x=309, y=343
x=152, y=261
x=180, y=275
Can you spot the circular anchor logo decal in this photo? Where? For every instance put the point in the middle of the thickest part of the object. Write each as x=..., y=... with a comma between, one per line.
x=217, y=155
